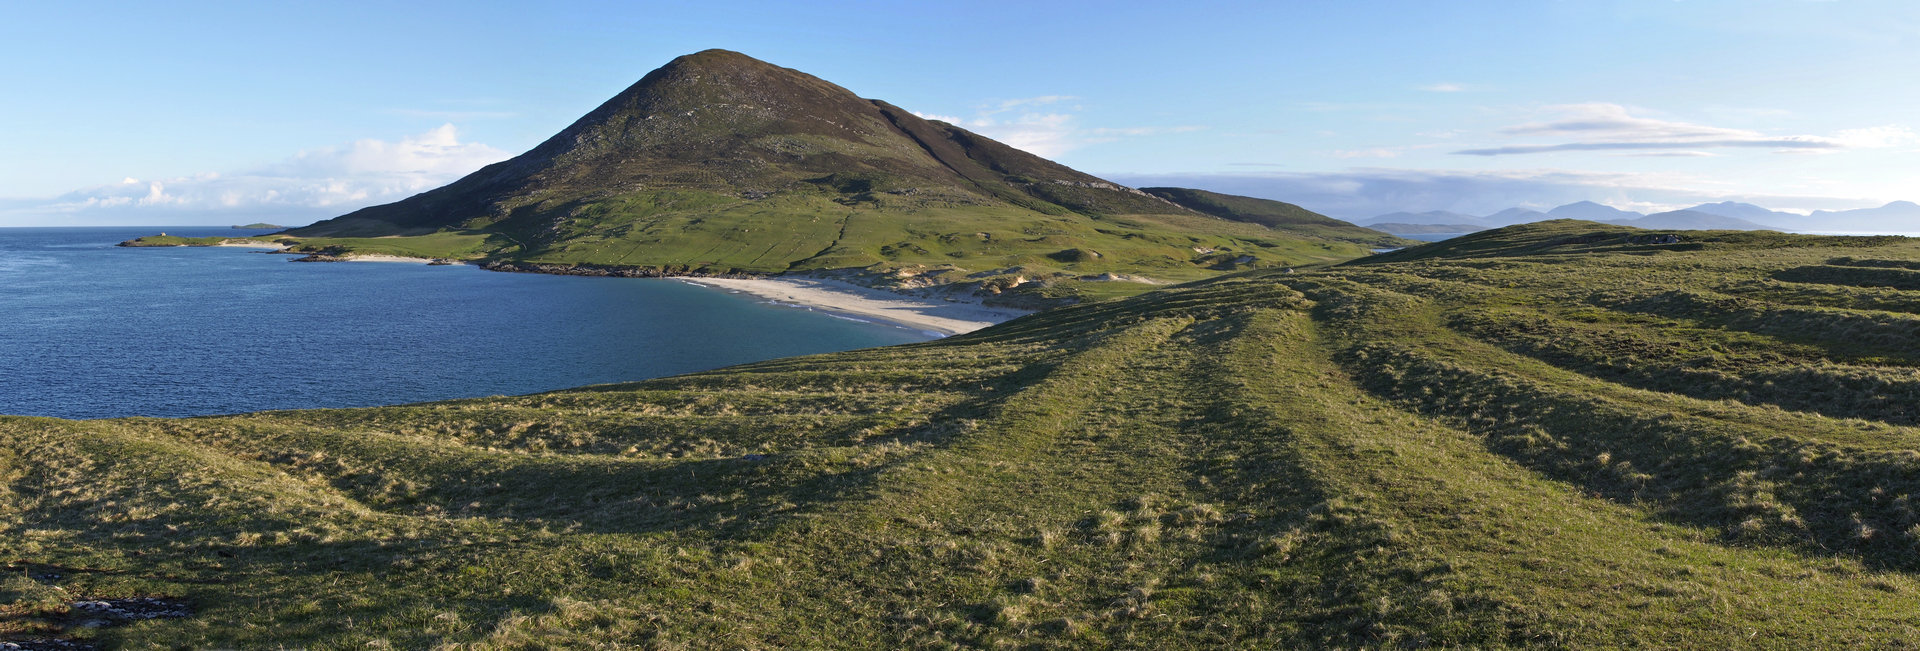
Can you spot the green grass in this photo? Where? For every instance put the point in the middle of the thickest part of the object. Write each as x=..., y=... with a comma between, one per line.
x=1545, y=436
x=953, y=242
x=1278, y=215
x=449, y=245
x=175, y=240
x=718, y=163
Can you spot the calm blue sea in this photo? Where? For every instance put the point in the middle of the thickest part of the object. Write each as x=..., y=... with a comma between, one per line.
x=90, y=330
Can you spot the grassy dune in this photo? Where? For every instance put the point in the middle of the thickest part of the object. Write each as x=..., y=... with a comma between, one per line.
x=1546, y=435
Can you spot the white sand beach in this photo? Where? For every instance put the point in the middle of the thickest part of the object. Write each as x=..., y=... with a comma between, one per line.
x=931, y=315
x=253, y=244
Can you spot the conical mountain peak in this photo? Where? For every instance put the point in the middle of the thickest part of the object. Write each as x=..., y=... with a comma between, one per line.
x=711, y=102
x=717, y=60
x=720, y=162
x=722, y=122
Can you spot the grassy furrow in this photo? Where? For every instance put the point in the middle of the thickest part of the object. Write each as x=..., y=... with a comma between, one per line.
x=1553, y=436
x=1709, y=364
x=1488, y=552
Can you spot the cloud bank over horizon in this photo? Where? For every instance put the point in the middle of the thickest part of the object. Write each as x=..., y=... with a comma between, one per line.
x=1804, y=101
x=1359, y=194
x=311, y=184
x=1599, y=126
x=329, y=181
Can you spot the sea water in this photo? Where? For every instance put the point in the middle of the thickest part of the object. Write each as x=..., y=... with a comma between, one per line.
x=91, y=330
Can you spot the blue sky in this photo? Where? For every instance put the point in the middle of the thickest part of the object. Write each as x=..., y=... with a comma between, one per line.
x=155, y=113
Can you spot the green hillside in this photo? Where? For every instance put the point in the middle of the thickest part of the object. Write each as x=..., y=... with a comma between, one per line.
x=718, y=163
x=165, y=240
x=1277, y=215
x=1557, y=434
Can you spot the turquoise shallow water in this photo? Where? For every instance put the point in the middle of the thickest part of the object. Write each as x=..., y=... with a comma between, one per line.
x=90, y=330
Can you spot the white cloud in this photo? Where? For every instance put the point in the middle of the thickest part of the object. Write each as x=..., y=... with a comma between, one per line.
x=1783, y=145
x=943, y=118
x=1612, y=127
x=1008, y=105
x=1443, y=88
x=455, y=115
x=436, y=153
x=1377, y=152
x=1023, y=125
x=1876, y=137
x=1613, y=122
x=157, y=196
x=329, y=179
x=1145, y=131
x=1044, y=134
x=1358, y=194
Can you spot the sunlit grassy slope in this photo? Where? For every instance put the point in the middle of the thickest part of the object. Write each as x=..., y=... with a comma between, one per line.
x=719, y=163
x=684, y=232
x=1566, y=438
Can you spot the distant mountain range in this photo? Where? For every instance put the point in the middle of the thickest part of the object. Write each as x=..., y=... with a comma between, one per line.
x=1899, y=216
x=1896, y=217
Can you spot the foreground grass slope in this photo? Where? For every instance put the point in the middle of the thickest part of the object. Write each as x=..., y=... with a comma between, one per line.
x=1570, y=437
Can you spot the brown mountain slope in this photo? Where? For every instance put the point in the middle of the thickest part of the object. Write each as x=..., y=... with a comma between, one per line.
x=727, y=123
x=719, y=163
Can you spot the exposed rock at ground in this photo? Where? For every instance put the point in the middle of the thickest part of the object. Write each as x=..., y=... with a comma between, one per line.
x=51, y=644
x=100, y=613
x=1658, y=238
x=566, y=269
x=133, y=608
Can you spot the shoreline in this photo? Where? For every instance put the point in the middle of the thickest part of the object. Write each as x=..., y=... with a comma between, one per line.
x=939, y=317
x=382, y=257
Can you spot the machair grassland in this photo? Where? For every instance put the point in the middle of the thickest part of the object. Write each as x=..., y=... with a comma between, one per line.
x=1558, y=434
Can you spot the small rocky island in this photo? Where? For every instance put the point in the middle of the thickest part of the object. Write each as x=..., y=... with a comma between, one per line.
x=164, y=239
x=260, y=225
